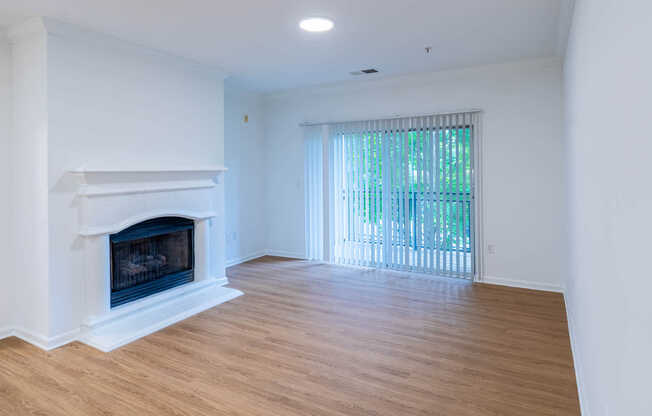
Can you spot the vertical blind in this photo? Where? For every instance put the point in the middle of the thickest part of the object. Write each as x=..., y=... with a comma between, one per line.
x=314, y=193
x=401, y=194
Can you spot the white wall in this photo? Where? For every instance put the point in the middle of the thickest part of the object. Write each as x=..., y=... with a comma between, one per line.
x=244, y=188
x=523, y=154
x=100, y=102
x=6, y=111
x=114, y=104
x=607, y=99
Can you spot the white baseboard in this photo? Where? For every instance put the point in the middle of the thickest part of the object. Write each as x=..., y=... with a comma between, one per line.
x=40, y=341
x=524, y=284
x=6, y=332
x=576, y=361
x=45, y=343
x=158, y=322
x=262, y=253
x=286, y=254
x=244, y=259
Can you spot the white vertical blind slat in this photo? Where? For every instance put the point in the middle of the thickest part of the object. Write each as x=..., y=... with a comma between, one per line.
x=447, y=186
x=376, y=223
x=314, y=193
x=458, y=233
x=472, y=156
x=463, y=196
x=360, y=194
x=393, y=197
x=430, y=214
x=417, y=193
x=348, y=166
x=437, y=190
x=405, y=196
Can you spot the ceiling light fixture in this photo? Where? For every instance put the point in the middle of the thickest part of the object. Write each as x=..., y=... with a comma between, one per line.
x=316, y=24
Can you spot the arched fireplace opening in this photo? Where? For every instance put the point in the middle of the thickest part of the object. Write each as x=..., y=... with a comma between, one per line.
x=150, y=257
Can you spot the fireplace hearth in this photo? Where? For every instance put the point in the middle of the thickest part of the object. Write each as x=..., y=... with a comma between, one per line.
x=150, y=257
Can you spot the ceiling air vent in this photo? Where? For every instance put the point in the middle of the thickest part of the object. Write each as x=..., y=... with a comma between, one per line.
x=364, y=71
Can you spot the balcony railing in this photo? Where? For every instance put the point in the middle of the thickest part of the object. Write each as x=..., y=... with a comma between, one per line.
x=452, y=205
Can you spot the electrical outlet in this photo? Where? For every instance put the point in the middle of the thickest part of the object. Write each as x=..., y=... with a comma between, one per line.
x=491, y=249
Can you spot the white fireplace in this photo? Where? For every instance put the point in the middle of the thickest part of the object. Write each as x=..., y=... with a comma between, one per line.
x=107, y=134
x=109, y=201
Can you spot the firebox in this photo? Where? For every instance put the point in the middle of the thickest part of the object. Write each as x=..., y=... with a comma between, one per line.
x=150, y=257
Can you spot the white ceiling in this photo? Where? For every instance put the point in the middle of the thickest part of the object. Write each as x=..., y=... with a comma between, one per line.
x=260, y=44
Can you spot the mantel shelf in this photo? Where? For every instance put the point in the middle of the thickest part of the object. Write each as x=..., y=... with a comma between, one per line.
x=84, y=170
x=115, y=181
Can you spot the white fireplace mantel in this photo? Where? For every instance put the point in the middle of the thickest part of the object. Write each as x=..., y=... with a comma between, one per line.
x=112, y=199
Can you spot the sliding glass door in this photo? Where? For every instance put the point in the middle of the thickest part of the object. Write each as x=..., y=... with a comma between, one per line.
x=401, y=194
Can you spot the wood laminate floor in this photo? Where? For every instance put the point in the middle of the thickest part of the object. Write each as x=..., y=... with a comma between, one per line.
x=314, y=339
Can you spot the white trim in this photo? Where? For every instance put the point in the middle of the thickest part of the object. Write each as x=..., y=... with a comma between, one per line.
x=86, y=170
x=46, y=343
x=94, y=190
x=286, y=254
x=524, y=284
x=114, y=228
x=211, y=289
x=263, y=253
x=584, y=404
x=6, y=332
x=244, y=259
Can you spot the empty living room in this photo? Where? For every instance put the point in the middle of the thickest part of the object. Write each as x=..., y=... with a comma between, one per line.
x=325, y=207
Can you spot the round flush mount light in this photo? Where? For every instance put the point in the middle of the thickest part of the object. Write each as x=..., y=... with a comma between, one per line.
x=316, y=24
